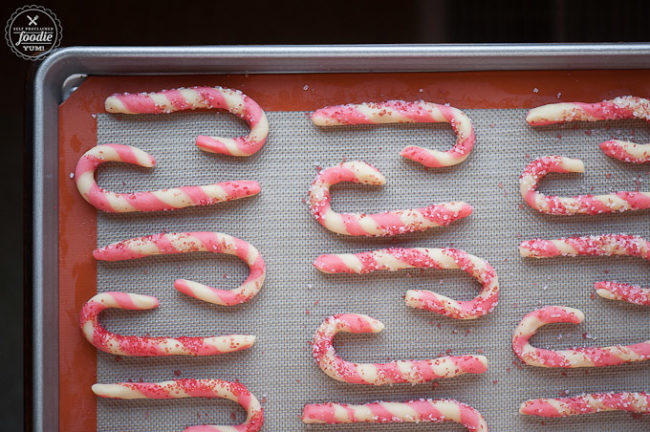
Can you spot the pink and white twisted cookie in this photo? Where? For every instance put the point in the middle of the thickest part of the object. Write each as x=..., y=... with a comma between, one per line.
x=571, y=358
x=603, y=245
x=164, y=199
x=624, y=107
x=234, y=101
x=402, y=371
x=580, y=204
x=175, y=243
x=389, y=223
x=415, y=411
x=402, y=258
x=397, y=111
x=192, y=388
x=587, y=404
x=145, y=345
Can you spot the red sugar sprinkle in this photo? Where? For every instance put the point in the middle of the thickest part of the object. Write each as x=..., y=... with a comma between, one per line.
x=306, y=311
x=608, y=176
x=233, y=415
x=448, y=352
x=318, y=169
x=480, y=350
x=298, y=380
x=508, y=369
x=527, y=156
x=588, y=132
x=558, y=136
x=316, y=302
x=500, y=185
x=521, y=206
x=177, y=372
x=495, y=381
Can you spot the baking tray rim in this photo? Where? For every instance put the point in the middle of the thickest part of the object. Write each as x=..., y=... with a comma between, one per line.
x=67, y=66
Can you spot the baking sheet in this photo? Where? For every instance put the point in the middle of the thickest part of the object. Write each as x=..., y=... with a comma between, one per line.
x=295, y=298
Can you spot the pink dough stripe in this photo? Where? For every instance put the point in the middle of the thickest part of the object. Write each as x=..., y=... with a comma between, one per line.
x=415, y=411
x=234, y=101
x=402, y=258
x=144, y=345
x=184, y=388
x=579, y=204
x=164, y=199
x=603, y=245
x=177, y=243
x=571, y=358
x=396, y=111
x=403, y=371
x=624, y=107
x=587, y=404
x=388, y=223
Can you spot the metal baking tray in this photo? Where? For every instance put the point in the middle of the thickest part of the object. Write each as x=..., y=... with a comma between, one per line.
x=62, y=71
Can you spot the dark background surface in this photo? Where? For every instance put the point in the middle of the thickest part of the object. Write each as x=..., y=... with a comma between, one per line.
x=226, y=23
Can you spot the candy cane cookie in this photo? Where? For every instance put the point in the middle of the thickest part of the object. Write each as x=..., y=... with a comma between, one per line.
x=145, y=345
x=587, y=404
x=415, y=411
x=400, y=258
x=571, y=358
x=175, y=243
x=234, y=101
x=603, y=245
x=624, y=107
x=164, y=199
x=396, y=111
x=389, y=223
x=192, y=388
x=402, y=371
x=580, y=204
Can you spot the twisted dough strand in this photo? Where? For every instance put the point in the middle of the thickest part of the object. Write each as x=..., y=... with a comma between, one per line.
x=396, y=111
x=174, y=243
x=144, y=345
x=164, y=199
x=579, y=204
x=587, y=404
x=423, y=410
x=184, y=388
x=624, y=107
x=389, y=223
x=234, y=101
x=403, y=371
x=401, y=258
x=571, y=358
x=607, y=245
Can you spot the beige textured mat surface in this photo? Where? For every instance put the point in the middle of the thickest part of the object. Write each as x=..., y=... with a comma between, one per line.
x=296, y=298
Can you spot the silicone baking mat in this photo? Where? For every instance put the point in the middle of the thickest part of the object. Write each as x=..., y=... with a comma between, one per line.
x=296, y=298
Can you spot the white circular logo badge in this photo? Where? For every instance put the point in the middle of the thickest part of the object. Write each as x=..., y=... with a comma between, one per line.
x=32, y=32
